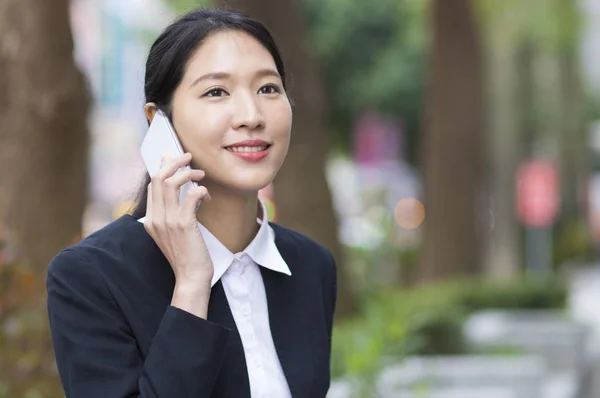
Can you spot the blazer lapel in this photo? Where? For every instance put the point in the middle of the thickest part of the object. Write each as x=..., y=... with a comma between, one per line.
x=234, y=376
x=289, y=323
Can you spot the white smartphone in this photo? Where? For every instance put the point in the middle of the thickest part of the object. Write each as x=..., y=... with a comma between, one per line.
x=161, y=140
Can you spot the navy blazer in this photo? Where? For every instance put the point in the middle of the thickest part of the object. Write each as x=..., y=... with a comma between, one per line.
x=116, y=335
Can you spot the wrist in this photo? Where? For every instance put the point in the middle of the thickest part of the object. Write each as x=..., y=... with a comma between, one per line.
x=192, y=297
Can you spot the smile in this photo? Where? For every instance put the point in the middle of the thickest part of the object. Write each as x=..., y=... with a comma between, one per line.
x=247, y=148
x=252, y=153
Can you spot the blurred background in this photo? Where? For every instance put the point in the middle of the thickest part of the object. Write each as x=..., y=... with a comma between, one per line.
x=446, y=151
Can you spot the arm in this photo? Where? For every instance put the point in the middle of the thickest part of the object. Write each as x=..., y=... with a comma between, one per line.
x=97, y=355
x=332, y=282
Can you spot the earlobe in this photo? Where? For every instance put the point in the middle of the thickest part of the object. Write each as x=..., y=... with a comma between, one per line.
x=150, y=111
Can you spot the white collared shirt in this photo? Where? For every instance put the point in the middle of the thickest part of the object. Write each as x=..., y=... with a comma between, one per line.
x=245, y=291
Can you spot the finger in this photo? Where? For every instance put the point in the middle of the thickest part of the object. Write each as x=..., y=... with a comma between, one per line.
x=149, y=218
x=158, y=206
x=169, y=165
x=185, y=175
x=195, y=194
x=149, y=206
x=172, y=189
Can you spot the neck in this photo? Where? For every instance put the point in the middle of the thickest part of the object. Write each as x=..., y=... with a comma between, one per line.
x=230, y=217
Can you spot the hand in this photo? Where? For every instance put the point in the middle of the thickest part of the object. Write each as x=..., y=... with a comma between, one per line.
x=174, y=228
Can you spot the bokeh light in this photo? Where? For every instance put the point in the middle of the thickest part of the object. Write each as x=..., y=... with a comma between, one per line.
x=271, y=209
x=122, y=207
x=409, y=213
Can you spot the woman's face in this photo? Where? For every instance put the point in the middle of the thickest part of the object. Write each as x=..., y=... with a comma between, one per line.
x=232, y=113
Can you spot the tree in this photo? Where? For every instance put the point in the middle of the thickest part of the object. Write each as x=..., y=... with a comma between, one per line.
x=43, y=111
x=537, y=105
x=572, y=138
x=372, y=56
x=43, y=168
x=502, y=31
x=452, y=144
x=300, y=189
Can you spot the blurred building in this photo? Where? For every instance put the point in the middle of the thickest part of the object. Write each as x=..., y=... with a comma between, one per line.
x=367, y=186
x=112, y=39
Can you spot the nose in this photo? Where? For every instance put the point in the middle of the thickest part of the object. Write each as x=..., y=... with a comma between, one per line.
x=247, y=113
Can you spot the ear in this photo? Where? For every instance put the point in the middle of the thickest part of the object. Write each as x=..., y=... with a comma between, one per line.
x=150, y=111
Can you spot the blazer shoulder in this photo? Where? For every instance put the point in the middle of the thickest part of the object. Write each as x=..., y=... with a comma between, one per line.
x=117, y=242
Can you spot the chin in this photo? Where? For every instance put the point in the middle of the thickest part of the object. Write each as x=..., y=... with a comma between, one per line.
x=246, y=182
x=251, y=186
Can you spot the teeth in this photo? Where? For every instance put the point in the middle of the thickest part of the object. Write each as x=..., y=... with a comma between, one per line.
x=247, y=148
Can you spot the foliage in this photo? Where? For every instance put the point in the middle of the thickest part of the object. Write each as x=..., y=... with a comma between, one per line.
x=436, y=332
x=389, y=327
x=572, y=241
x=395, y=324
x=372, y=56
x=554, y=25
x=530, y=294
x=183, y=6
x=428, y=320
x=26, y=359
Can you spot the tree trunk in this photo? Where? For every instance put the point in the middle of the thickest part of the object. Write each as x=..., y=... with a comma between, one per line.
x=301, y=192
x=43, y=169
x=572, y=137
x=453, y=145
x=43, y=156
x=503, y=255
x=526, y=99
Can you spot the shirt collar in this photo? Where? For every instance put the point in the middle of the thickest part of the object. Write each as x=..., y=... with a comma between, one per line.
x=262, y=250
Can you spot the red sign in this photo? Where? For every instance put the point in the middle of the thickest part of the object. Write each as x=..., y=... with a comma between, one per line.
x=538, y=193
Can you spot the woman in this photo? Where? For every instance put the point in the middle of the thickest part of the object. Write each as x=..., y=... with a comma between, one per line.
x=215, y=302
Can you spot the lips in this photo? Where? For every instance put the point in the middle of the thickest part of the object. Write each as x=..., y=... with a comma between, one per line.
x=250, y=150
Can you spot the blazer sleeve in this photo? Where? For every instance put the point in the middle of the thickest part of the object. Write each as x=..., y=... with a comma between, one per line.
x=332, y=281
x=97, y=355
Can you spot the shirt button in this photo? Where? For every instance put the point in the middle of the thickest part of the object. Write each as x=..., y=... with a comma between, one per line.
x=237, y=268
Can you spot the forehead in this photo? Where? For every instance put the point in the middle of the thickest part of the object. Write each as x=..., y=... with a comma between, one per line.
x=230, y=51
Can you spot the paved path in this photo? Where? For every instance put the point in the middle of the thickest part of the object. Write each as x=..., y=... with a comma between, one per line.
x=584, y=305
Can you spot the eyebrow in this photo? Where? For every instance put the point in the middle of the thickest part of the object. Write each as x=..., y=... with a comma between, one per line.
x=224, y=75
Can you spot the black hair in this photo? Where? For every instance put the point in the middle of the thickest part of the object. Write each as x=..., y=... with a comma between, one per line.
x=172, y=50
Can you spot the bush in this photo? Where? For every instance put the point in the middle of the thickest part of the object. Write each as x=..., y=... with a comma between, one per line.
x=436, y=332
x=572, y=241
x=26, y=358
x=530, y=294
x=394, y=324
x=428, y=320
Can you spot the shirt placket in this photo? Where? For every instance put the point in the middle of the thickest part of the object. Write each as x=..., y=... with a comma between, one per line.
x=254, y=359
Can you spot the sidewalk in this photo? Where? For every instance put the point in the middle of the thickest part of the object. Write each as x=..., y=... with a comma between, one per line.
x=584, y=306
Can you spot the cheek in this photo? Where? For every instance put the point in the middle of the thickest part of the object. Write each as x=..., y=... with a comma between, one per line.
x=203, y=128
x=281, y=119
x=213, y=120
x=282, y=125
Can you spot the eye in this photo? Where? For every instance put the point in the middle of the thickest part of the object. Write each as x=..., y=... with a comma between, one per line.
x=215, y=92
x=269, y=89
